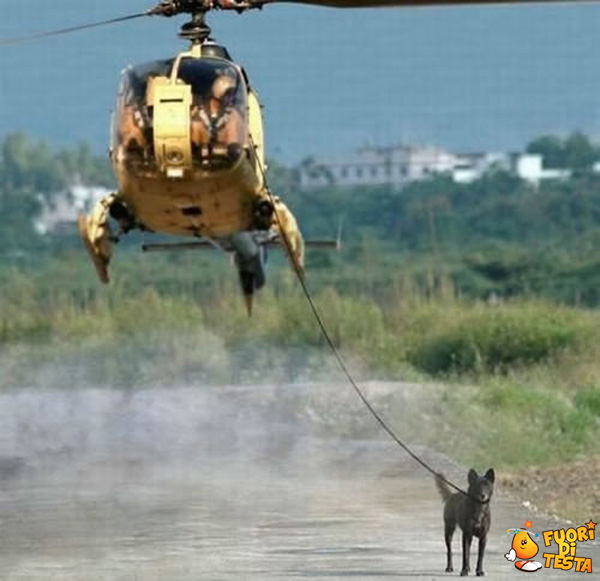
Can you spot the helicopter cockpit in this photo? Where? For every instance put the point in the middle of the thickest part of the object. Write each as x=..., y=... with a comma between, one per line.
x=219, y=105
x=175, y=121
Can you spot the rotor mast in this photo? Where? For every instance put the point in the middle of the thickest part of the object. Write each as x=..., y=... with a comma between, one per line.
x=197, y=30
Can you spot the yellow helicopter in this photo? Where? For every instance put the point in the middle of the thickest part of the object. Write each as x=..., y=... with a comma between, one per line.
x=188, y=150
x=188, y=153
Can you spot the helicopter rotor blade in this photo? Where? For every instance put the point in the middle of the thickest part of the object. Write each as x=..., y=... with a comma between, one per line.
x=50, y=33
x=173, y=7
x=413, y=3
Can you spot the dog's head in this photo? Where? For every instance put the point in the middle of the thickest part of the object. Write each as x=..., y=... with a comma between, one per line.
x=481, y=487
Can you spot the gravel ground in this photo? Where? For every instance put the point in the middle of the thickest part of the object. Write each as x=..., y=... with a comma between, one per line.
x=569, y=490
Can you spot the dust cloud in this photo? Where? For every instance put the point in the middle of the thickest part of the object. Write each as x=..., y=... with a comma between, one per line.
x=282, y=474
x=272, y=427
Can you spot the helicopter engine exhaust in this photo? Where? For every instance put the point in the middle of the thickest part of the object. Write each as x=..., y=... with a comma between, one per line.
x=250, y=262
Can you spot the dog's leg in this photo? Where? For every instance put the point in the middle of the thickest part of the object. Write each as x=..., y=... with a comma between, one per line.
x=466, y=545
x=449, y=526
x=482, y=543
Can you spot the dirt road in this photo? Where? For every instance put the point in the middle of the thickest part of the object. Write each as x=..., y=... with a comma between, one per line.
x=219, y=484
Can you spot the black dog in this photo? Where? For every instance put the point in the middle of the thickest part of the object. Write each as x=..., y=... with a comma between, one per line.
x=471, y=512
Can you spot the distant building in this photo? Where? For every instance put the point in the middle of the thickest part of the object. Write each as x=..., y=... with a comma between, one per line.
x=373, y=166
x=530, y=167
x=472, y=166
x=527, y=166
x=400, y=165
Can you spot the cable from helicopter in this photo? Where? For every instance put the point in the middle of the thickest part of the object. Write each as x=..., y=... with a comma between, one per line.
x=299, y=272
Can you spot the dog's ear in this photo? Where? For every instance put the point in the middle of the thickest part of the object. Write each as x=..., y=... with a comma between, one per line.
x=473, y=477
x=489, y=475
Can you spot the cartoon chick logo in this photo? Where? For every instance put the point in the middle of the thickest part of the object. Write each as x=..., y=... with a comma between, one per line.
x=524, y=548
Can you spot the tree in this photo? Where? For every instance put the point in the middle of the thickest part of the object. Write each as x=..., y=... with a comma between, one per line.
x=282, y=179
x=550, y=148
x=575, y=152
x=580, y=153
x=31, y=176
x=315, y=171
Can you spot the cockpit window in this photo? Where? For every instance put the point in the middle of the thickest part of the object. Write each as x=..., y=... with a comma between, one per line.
x=213, y=79
x=218, y=113
x=218, y=116
x=135, y=79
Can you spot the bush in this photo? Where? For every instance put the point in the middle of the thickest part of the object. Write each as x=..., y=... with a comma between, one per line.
x=493, y=338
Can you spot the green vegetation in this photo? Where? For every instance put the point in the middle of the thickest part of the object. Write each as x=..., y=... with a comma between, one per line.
x=498, y=339
x=31, y=177
x=575, y=152
x=497, y=235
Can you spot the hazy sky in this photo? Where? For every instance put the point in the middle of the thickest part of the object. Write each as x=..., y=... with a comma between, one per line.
x=330, y=80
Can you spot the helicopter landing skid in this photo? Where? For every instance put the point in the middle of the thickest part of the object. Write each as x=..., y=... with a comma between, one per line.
x=99, y=264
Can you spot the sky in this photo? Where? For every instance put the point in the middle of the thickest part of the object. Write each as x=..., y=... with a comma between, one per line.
x=469, y=79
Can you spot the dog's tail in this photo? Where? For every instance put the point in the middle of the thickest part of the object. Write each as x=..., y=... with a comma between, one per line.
x=442, y=487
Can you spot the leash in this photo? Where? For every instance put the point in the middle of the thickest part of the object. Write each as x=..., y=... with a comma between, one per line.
x=342, y=363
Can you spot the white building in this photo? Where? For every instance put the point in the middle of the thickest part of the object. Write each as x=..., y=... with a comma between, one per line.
x=372, y=166
x=530, y=167
x=473, y=165
x=400, y=165
x=527, y=166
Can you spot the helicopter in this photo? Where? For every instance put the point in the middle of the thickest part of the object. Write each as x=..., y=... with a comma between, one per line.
x=188, y=151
